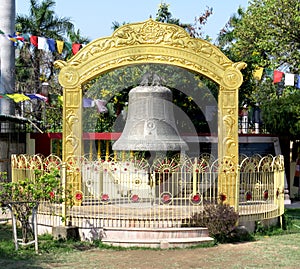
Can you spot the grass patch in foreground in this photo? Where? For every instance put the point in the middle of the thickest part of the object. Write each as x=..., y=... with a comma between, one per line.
x=55, y=250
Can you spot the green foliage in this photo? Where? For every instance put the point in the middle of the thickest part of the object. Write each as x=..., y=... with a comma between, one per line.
x=265, y=35
x=23, y=196
x=42, y=187
x=290, y=224
x=194, y=29
x=220, y=220
x=282, y=115
x=190, y=92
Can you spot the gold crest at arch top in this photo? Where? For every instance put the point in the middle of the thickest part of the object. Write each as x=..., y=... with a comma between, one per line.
x=140, y=39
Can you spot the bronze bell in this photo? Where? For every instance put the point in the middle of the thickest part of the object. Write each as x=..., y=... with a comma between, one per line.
x=150, y=123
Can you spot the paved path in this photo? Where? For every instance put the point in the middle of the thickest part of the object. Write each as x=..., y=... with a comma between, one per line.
x=293, y=205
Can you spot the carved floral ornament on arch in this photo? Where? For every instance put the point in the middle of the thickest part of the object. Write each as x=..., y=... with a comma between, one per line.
x=150, y=41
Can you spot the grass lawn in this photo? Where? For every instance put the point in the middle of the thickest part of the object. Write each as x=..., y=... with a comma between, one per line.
x=272, y=248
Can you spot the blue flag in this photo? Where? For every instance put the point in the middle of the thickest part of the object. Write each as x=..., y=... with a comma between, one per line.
x=298, y=82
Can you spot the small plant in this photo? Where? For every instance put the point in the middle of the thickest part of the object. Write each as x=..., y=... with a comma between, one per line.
x=24, y=196
x=296, y=197
x=219, y=219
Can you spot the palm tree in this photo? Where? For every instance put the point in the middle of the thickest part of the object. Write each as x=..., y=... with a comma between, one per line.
x=42, y=22
x=35, y=66
x=7, y=55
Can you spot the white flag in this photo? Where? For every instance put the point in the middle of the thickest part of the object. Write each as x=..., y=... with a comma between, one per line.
x=42, y=43
x=289, y=79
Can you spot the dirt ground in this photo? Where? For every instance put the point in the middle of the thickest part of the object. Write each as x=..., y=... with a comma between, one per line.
x=269, y=252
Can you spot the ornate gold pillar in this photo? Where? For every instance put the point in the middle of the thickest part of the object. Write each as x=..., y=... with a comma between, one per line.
x=72, y=129
x=228, y=150
x=72, y=111
x=72, y=126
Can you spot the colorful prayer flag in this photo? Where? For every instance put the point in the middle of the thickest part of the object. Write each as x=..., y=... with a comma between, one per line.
x=75, y=48
x=60, y=98
x=87, y=102
x=18, y=97
x=19, y=37
x=298, y=82
x=37, y=96
x=51, y=44
x=12, y=39
x=101, y=106
x=68, y=46
x=42, y=43
x=277, y=76
x=269, y=72
x=289, y=79
x=34, y=40
x=60, y=46
x=257, y=73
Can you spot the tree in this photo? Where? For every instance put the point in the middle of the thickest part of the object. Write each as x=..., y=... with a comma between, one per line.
x=195, y=29
x=266, y=35
x=35, y=66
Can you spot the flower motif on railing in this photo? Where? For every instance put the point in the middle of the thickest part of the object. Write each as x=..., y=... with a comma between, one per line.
x=248, y=196
x=105, y=198
x=222, y=197
x=266, y=195
x=165, y=166
x=78, y=196
x=166, y=198
x=196, y=198
x=134, y=198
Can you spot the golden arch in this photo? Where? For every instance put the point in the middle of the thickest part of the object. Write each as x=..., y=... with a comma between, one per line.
x=152, y=42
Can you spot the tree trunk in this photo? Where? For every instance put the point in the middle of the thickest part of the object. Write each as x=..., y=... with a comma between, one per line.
x=7, y=55
x=7, y=76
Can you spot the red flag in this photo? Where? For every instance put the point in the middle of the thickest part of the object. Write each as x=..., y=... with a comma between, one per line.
x=277, y=77
x=75, y=48
x=34, y=40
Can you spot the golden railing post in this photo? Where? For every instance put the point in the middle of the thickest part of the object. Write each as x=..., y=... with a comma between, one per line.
x=195, y=177
x=99, y=149
x=63, y=175
x=91, y=150
x=13, y=156
x=107, y=150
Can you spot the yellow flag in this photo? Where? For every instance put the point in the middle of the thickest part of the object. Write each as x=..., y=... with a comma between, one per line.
x=60, y=99
x=18, y=97
x=60, y=46
x=257, y=73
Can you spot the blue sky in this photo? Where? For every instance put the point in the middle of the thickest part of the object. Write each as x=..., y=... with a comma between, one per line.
x=94, y=18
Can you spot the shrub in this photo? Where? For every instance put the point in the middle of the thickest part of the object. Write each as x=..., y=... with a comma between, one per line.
x=220, y=220
x=23, y=196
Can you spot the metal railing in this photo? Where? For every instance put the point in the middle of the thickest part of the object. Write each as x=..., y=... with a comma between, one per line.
x=164, y=193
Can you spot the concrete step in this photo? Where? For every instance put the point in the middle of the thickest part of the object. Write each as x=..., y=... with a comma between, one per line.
x=155, y=237
x=158, y=243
